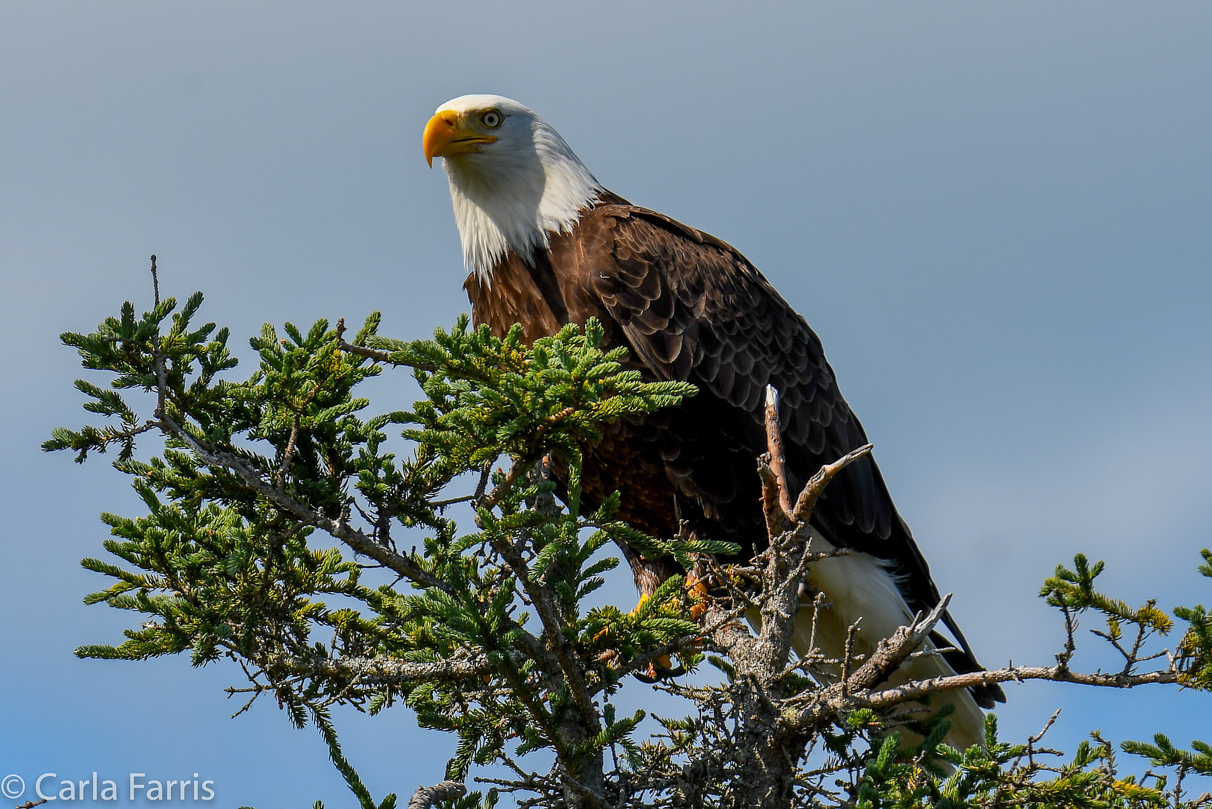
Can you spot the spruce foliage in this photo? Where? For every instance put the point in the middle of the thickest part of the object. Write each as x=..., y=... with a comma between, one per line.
x=273, y=494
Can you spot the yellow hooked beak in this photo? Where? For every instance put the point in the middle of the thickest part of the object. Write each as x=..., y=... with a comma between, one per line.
x=445, y=137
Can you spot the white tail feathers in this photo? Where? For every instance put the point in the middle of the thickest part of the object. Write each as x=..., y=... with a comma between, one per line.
x=859, y=588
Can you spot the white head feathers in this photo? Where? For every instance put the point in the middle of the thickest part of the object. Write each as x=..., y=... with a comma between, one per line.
x=513, y=179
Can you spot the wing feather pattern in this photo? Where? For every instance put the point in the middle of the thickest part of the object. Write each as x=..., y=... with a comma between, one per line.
x=693, y=308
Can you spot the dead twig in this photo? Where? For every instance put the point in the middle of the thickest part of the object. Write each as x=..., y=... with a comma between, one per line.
x=774, y=443
x=426, y=797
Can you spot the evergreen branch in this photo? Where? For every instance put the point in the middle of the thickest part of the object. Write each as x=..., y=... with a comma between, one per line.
x=337, y=756
x=516, y=472
x=378, y=355
x=558, y=644
x=355, y=538
x=716, y=620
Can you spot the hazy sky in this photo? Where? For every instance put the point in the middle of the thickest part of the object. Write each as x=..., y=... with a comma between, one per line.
x=998, y=217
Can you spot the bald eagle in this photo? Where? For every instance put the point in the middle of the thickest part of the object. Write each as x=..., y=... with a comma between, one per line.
x=545, y=244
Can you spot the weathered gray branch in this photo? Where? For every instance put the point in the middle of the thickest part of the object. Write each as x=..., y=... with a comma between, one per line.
x=425, y=797
x=1059, y=674
x=378, y=670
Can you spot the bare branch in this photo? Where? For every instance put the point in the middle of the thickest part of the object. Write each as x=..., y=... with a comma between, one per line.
x=155, y=281
x=517, y=471
x=1030, y=752
x=920, y=688
x=774, y=442
x=375, y=354
x=161, y=372
x=816, y=485
x=379, y=670
x=426, y=797
x=289, y=455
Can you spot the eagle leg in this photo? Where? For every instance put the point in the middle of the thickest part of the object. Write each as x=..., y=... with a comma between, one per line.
x=662, y=667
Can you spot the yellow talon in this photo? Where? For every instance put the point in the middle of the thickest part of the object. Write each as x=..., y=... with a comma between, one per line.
x=697, y=589
x=661, y=668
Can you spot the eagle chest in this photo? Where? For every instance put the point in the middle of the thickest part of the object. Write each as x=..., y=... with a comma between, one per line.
x=628, y=457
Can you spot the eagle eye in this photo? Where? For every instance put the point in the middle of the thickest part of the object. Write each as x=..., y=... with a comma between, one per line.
x=492, y=119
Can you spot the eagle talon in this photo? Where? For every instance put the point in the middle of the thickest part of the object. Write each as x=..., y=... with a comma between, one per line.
x=696, y=588
x=660, y=669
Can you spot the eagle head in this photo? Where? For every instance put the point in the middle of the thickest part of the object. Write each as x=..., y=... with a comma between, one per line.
x=513, y=179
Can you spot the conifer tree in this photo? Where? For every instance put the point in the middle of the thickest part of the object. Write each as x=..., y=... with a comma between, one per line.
x=274, y=493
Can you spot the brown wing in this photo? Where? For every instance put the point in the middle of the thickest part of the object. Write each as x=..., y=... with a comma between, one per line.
x=693, y=308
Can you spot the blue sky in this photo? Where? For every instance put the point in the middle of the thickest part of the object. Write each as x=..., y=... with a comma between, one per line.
x=998, y=217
